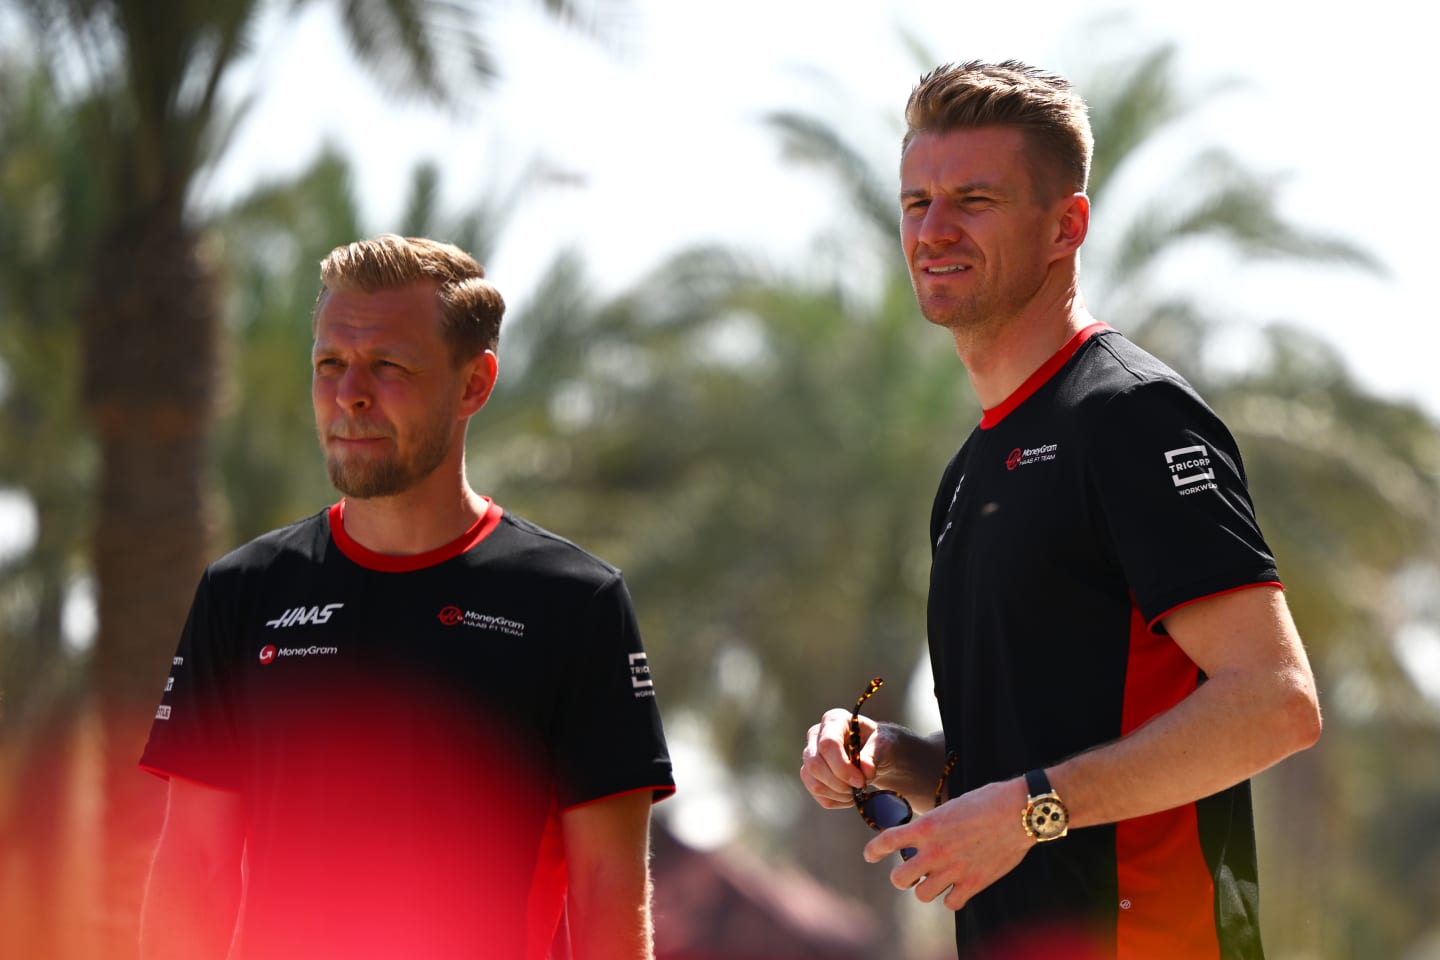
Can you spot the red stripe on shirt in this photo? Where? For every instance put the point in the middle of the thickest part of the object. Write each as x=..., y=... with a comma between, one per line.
x=1038, y=379
x=1167, y=895
x=406, y=563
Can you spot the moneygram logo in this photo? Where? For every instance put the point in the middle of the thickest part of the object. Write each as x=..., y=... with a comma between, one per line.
x=453, y=616
x=270, y=653
x=1023, y=457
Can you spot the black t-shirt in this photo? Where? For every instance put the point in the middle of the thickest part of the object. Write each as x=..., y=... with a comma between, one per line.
x=404, y=732
x=1098, y=498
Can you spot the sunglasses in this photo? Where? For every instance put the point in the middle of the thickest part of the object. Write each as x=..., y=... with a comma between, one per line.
x=882, y=809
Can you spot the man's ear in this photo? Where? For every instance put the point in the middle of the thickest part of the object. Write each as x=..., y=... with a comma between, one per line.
x=479, y=379
x=1072, y=223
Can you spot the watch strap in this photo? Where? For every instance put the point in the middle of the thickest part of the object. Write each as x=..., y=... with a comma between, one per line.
x=1037, y=784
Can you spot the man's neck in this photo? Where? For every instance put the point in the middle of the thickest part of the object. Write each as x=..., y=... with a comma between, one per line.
x=416, y=521
x=1001, y=357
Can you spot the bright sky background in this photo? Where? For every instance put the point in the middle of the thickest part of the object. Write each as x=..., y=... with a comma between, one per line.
x=657, y=129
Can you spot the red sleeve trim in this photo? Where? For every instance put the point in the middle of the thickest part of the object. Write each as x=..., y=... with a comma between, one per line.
x=1151, y=626
x=406, y=563
x=660, y=792
x=164, y=774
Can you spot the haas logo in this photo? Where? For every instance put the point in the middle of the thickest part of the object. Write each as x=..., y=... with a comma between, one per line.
x=300, y=615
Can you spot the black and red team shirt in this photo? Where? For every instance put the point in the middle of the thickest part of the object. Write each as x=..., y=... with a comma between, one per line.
x=405, y=731
x=1098, y=498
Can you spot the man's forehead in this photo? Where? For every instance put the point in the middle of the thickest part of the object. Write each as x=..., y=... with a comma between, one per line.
x=405, y=316
x=982, y=153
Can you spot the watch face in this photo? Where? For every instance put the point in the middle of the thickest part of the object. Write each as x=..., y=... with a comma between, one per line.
x=1046, y=818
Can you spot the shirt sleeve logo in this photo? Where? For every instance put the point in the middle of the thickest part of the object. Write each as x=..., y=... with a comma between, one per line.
x=1190, y=469
x=640, y=676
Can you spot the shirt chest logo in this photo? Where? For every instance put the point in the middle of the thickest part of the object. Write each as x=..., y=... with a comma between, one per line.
x=453, y=616
x=1024, y=456
x=298, y=616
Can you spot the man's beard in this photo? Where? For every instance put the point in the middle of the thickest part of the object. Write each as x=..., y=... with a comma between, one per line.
x=363, y=478
x=981, y=311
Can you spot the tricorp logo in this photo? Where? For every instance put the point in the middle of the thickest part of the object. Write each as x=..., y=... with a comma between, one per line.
x=267, y=653
x=450, y=616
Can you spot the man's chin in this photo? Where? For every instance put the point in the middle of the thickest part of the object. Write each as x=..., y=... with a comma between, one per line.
x=369, y=484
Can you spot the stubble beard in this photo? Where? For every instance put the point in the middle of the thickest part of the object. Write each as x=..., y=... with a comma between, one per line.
x=980, y=312
x=363, y=479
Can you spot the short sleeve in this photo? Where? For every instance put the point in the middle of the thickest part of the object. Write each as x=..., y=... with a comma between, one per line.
x=192, y=735
x=607, y=737
x=1171, y=487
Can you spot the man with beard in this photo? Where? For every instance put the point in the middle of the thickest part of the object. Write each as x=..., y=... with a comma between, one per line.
x=413, y=724
x=1111, y=648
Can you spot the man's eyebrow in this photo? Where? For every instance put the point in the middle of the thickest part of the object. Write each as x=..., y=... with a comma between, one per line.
x=959, y=189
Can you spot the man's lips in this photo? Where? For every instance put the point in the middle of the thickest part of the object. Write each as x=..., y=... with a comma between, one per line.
x=357, y=440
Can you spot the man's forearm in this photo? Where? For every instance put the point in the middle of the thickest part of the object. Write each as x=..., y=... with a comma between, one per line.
x=1226, y=731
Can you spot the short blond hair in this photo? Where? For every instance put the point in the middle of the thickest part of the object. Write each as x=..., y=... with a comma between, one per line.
x=470, y=307
x=1044, y=105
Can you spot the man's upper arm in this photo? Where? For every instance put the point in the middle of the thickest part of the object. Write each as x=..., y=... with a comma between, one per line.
x=614, y=832
x=607, y=853
x=204, y=822
x=194, y=889
x=1249, y=635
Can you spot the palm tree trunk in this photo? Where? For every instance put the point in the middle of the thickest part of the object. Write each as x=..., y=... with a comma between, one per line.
x=151, y=333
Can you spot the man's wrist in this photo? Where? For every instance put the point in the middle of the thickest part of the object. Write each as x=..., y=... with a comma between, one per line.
x=1045, y=816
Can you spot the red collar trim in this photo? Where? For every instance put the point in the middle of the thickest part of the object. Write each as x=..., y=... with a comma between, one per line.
x=1038, y=379
x=405, y=563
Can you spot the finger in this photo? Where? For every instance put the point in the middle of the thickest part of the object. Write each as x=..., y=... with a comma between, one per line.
x=887, y=842
x=930, y=889
x=830, y=797
x=830, y=750
x=956, y=898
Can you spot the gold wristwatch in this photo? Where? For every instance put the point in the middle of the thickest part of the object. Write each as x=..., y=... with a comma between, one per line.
x=1045, y=815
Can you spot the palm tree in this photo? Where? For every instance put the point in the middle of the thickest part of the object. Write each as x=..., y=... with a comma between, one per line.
x=47, y=207
x=150, y=75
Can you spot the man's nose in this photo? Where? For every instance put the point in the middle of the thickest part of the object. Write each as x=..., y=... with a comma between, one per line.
x=354, y=390
x=939, y=225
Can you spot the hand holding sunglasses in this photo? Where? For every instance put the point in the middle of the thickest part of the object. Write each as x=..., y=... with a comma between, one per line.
x=883, y=809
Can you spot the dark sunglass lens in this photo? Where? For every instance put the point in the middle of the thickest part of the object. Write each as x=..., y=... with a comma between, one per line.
x=886, y=810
